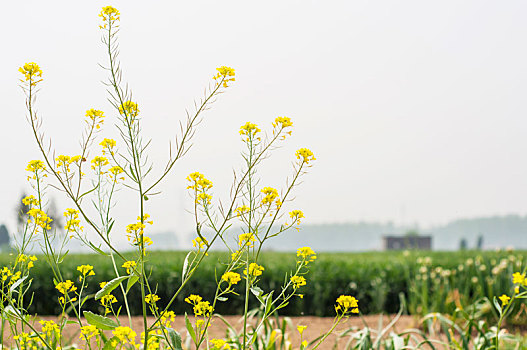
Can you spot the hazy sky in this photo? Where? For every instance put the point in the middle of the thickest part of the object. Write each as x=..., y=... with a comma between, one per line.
x=414, y=109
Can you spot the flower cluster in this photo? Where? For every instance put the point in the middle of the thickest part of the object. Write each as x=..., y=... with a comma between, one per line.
x=32, y=73
x=109, y=14
x=201, y=308
x=231, y=277
x=224, y=75
x=30, y=201
x=64, y=288
x=107, y=301
x=40, y=218
x=305, y=155
x=98, y=162
x=29, y=259
x=307, y=254
x=151, y=299
x=72, y=220
x=271, y=195
x=347, y=304
x=129, y=266
x=200, y=243
x=298, y=281
x=85, y=270
x=129, y=110
x=247, y=239
x=108, y=145
x=35, y=165
x=63, y=162
x=89, y=332
x=296, y=215
x=249, y=129
x=200, y=185
x=219, y=344
x=283, y=122
x=125, y=335
x=255, y=270
x=96, y=116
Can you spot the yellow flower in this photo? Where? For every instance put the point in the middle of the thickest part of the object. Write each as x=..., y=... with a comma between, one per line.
x=284, y=122
x=305, y=155
x=254, y=270
x=30, y=200
x=108, y=144
x=39, y=218
x=73, y=222
x=129, y=265
x=242, y=210
x=110, y=13
x=66, y=287
x=246, y=239
x=296, y=215
x=99, y=162
x=89, y=332
x=301, y=329
x=224, y=75
x=107, y=301
x=32, y=72
x=219, y=344
x=193, y=299
x=96, y=116
x=231, y=277
x=307, y=254
x=35, y=165
x=347, y=303
x=86, y=270
x=151, y=298
x=201, y=308
x=270, y=195
x=203, y=198
x=129, y=109
x=249, y=129
x=125, y=335
x=504, y=299
x=298, y=281
x=200, y=243
x=518, y=278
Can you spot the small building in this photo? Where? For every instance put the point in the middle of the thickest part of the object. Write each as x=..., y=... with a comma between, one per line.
x=407, y=242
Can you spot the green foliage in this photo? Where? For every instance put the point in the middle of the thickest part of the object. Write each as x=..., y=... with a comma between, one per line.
x=375, y=278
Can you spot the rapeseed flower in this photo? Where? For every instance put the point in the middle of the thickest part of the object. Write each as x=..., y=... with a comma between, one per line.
x=249, y=129
x=231, y=277
x=129, y=265
x=32, y=72
x=283, y=122
x=86, y=270
x=298, y=281
x=271, y=195
x=347, y=304
x=39, y=217
x=218, y=344
x=254, y=270
x=305, y=155
x=504, y=299
x=296, y=215
x=246, y=239
x=224, y=75
x=307, y=254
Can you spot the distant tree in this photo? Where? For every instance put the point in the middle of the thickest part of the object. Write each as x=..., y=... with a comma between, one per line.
x=463, y=244
x=479, y=245
x=412, y=233
x=4, y=236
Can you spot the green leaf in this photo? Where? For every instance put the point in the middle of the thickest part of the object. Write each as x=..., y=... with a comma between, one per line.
x=185, y=266
x=108, y=287
x=131, y=281
x=63, y=256
x=222, y=299
x=257, y=291
x=189, y=328
x=268, y=302
x=174, y=339
x=97, y=249
x=101, y=322
x=17, y=283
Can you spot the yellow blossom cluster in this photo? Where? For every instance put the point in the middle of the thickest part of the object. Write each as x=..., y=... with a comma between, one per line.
x=86, y=270
x=6, y=273
x=30, y=201
x=307, y=254
x=129, y=266
x=283, y=122
x=167, y=317
x=271, y=195
x=231, y=277
x=298, y=281
x=35, y=165
x=255, y=270
x=200, y=243
x=64, y=288
x=305, y=155
x=98, y=162
x=125, y=335
x=63, y=162
x=50, y=330
x=89, y=332
x=242, y=210
x=347, y=304
x=151, y=298
x=224, y=75
x=72, y=220
x=96, y=116
x=109, y=14
x=246, y=239
x=249, y=129
x=107, y=301
x=30, y=259
x=219, y=344
x=114, y=171
x=32, y=73
x=107, y=145
x=25, y=340
x=129, y=109
x=39, y=217
x=200, y=185
x=201, y=308
x=296, y=215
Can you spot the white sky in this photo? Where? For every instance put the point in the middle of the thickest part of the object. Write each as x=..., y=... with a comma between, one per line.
x=415, y=109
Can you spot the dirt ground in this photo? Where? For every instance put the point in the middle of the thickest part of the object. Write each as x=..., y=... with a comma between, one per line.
x=315, y=327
